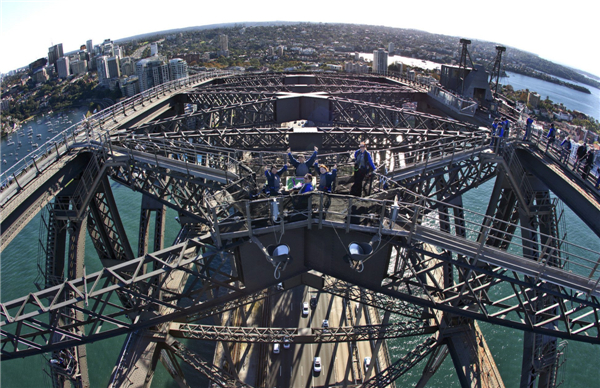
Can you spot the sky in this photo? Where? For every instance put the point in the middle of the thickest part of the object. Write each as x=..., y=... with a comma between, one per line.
x=564, y=32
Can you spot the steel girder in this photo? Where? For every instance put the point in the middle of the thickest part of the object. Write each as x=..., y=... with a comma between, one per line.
x=295, y=335
x=333, y=139
x=218, y=376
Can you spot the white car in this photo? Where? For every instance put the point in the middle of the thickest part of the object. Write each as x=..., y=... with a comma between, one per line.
x=305, y=309
x=367, y=363
x=317, y=364
x=325, y=326
x=276, y=348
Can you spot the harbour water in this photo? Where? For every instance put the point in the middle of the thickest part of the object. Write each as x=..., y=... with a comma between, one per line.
x=18, y=271
x=571, y=98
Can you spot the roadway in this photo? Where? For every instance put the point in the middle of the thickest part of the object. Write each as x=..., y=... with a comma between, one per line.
x=293, y=367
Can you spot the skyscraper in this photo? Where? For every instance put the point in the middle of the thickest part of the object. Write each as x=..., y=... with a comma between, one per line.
x=89, y=46
x=55, y=52
x=62, y=67
x=223, y=45
x=153, y=49
x=380, y=59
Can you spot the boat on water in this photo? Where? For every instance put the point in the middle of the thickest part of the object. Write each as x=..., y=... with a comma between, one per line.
x=39, y=135
x=10, y=142
x=34, y=145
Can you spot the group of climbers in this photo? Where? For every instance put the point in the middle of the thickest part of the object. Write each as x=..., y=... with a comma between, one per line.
x=363, y=165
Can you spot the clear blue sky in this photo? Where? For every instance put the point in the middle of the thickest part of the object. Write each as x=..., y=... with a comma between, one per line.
x=563, y=32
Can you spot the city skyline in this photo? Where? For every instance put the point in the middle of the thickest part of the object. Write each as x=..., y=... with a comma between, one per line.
x=562, y=35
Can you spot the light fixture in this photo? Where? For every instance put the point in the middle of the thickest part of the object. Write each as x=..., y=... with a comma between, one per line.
x=358, y=252
x=280, y=257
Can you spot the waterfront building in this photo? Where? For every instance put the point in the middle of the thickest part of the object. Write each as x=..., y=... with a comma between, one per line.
x=533, y=99
x=391, y=47
x=178, y=68
x=62, y=67
x=411, y=75
x=151, y=72
x=356, y=68
x=380, y=58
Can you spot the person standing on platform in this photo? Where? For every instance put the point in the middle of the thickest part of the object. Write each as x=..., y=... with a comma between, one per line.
x=598, y=180
x=506, y=126
x=302, y=165
x=589, y=162
x=326, y=178
x=274, y=179
x=565, y=150
x=528, y=126
x=363, y=165
x=580, y=155
x=551, y=136
x=494, y=132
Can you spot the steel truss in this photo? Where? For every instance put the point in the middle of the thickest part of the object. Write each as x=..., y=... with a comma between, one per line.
x=294, y=335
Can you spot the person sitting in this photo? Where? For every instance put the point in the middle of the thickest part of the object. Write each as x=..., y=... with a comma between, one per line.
x=326, y=178
x=301, y=164
x=273, y=186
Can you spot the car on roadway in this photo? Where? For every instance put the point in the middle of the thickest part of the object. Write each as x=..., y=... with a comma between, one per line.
x=313, y=301
x=286, y=343
x=367, y=363
x=317, y=364
x=305, y=309
x=325, y=326
x=276, y=348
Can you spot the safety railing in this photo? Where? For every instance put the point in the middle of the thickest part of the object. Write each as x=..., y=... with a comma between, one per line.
x=97, y=123
x=225, y=160
x=403, y=217
x=430, y=151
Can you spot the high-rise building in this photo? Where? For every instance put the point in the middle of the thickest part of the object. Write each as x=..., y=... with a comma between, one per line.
x=78, y=67
x=54, y=53
x=153, y=49
x=380, y=59
x=127, y=66
x=114, y=70
x=102, y=68
x=223, y=45
x=178, y=68
x=151, y=72
x=391, y=47
x=62, y=67
x=89, y=46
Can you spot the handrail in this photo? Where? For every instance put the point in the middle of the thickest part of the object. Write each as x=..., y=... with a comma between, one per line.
x=582, y=260
x=95, y=124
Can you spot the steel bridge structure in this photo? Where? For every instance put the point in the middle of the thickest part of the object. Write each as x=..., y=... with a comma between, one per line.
x=434, y=266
